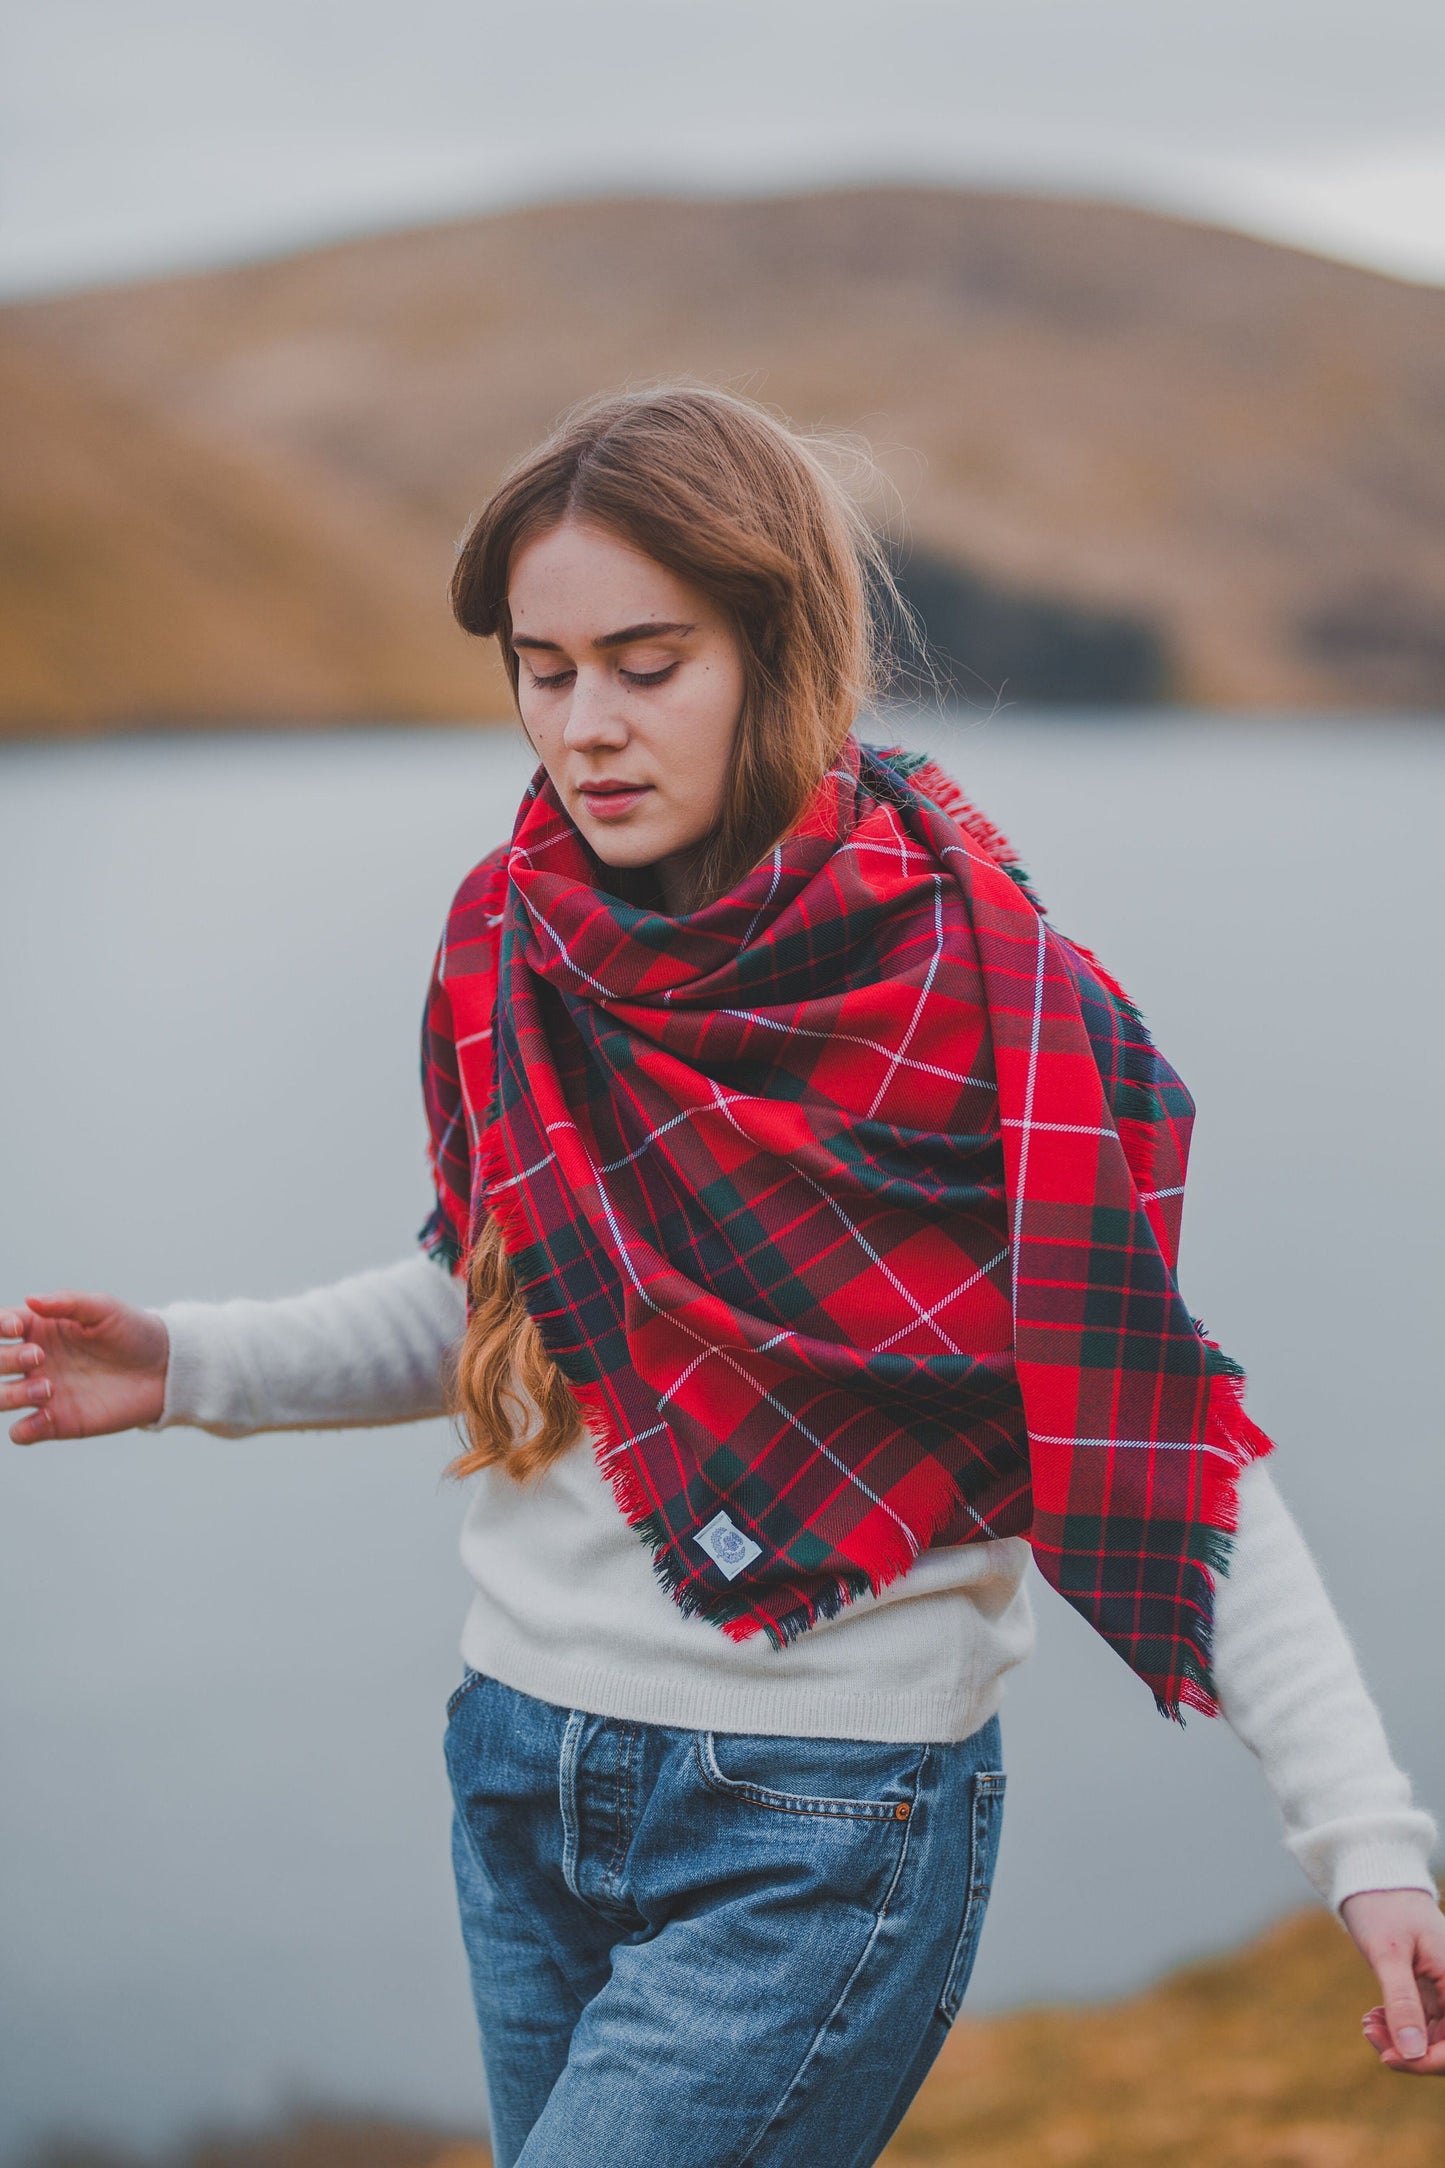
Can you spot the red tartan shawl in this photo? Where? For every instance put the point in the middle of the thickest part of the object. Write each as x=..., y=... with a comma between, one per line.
x=849, y=1206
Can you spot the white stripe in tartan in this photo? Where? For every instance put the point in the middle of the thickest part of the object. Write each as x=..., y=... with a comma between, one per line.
x=826, y=1450
x=882, y=1346
x=772, y=891
x=1139, y=1445
x=621, y=1445
x=538, y=920
x=860, y=844
x=1068, y=1129
x=688, y=1368
x=923, y=993
x=684, y=1374
x=513, y=1179
x=975, y=858
x=853, y=1038
x=688, y=1114
x=544, y=842
x=923, y=1316
x=1027, y=1122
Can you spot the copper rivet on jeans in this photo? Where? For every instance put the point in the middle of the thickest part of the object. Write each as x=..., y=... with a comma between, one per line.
x=900, y=1812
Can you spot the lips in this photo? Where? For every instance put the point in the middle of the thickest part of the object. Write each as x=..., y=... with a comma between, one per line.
x=609, y=801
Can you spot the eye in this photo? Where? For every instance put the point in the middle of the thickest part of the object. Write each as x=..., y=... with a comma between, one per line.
x=547, y=684
x=647, y=677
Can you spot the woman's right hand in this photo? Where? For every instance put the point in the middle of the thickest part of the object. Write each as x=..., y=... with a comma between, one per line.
x=81, y=1365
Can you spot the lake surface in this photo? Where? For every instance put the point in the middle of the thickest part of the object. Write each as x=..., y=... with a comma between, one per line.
x=223, y=1664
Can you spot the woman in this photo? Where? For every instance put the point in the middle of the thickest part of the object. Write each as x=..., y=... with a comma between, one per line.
x=817, y=1207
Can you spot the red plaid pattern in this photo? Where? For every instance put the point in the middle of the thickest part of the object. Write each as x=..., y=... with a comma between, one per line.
x=849, y=1206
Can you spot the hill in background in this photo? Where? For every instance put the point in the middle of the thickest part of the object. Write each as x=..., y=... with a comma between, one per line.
x=1136, y=457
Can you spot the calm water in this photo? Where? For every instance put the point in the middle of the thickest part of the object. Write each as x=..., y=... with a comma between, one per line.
x=222, y=1665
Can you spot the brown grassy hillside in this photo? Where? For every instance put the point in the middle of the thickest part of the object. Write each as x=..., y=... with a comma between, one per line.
x=1250, y=2061
x=1242, y=444
x=150, y=575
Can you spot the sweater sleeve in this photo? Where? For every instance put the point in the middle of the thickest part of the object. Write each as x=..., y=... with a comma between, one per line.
x=1289, y=1687
x=365, y=1350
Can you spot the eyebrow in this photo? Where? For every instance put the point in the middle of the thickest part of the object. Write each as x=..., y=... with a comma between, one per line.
x=628, y=633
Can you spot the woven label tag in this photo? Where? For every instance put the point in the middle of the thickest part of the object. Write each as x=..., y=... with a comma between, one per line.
x=726, y=1545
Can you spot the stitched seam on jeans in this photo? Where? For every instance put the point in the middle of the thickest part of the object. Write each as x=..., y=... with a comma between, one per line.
x=621, y=1799
x=987, y=1787
x=760, y=1795
x=567, y=1801
x=816, y=2043
x=460, y=1693
x=572, y=1831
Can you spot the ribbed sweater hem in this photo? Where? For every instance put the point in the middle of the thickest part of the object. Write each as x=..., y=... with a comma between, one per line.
x=689, y=1703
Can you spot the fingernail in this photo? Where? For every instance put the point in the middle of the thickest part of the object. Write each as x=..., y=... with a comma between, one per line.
x=1410, y=2042
x=40, y=1391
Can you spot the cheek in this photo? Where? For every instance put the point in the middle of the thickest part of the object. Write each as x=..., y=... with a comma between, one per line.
x=544, y=740
x=713, y=732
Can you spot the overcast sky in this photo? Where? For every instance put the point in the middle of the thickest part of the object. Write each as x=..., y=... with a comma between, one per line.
x=138, y=135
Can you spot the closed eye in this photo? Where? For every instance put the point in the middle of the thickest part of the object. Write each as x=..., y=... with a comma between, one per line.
x=647, y=677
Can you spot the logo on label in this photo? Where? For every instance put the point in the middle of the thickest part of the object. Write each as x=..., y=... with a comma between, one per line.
x=726, y=1545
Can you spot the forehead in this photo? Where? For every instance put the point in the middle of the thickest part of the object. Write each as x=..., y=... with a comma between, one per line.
x=581, y=582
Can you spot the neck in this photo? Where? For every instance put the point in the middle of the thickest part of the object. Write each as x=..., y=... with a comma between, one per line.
x=677, y=877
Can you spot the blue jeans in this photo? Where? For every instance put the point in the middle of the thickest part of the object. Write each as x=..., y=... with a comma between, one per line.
x=705, y=1949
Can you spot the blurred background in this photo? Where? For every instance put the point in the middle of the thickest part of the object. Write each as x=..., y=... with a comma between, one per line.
x=1139, y=306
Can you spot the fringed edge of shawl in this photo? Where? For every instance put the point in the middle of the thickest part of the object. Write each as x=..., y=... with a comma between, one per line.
x=1228, y=1429
x=921, y=772
x=732, y=1613
x=439, y=1242
x=729, y=1609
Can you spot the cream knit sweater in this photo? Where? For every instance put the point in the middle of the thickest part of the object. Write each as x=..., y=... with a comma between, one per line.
x=566, y=1606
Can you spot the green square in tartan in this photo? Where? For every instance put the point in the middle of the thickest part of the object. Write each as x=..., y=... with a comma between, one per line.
x=1125, y=1556
x=747, y=1265
x=1112, y=1227
x=760, y=1078
x=751, y=1495
x=721, y=1470
x=809, y=1552
x=1103, y=1349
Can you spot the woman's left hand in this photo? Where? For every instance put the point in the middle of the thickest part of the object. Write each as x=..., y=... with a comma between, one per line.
x=1402, y=1934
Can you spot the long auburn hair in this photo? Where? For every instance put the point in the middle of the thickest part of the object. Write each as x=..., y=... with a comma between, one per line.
x=752, y=513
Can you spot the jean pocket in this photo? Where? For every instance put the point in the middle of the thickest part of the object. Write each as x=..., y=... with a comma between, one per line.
x=986, y=1790
x=471, y=1679
x=843, y=1779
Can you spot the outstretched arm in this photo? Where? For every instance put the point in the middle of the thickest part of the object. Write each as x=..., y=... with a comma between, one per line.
x=1290, y=1687
x=369, y=1349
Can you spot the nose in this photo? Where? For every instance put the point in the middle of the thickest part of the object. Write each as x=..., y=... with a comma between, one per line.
x=594, y=719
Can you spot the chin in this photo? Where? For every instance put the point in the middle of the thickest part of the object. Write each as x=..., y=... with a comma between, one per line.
x=632, y=853
x=623, y=851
